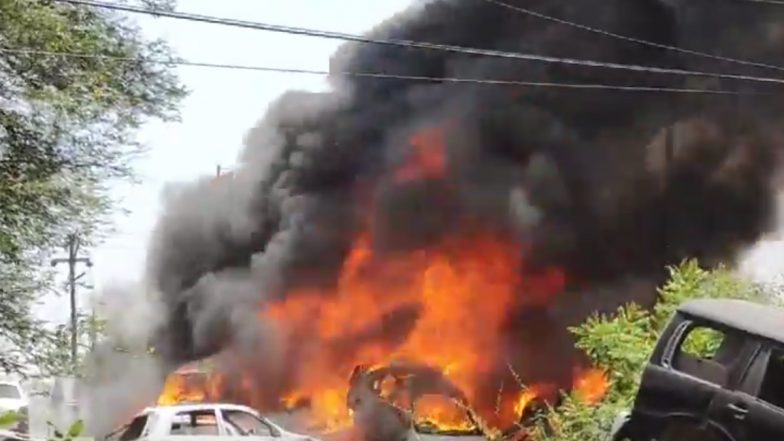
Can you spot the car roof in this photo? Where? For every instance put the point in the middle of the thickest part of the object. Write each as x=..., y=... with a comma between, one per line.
x=12, y=383
x=754, y=318
x=196, y=406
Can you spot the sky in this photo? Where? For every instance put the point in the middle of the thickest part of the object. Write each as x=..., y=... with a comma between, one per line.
x=221, y=107
x=224, y=104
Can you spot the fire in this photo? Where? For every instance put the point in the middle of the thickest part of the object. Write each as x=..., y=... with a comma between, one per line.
x=428, y=159
x=444, y=305
x=457, y=293
x=454, y=296
x=526, y=398
x=591, y=386
x=188, y=385
x=442, y=413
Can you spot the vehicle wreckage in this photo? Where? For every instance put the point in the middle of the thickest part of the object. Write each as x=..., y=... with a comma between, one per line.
x=383, y=400
x=383, y=403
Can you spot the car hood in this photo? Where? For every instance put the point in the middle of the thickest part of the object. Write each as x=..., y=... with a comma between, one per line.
x=296, y=437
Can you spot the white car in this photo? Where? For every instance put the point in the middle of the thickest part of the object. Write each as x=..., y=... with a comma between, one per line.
x=203, y=422
x=14, y=399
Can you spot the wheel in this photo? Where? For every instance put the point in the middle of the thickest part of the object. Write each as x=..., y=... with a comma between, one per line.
x=686, y=432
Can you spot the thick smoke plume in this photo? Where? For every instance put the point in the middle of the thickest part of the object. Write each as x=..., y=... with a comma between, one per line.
x=581, y=178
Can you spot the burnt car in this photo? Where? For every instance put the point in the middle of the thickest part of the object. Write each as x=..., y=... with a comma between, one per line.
x=717, y=374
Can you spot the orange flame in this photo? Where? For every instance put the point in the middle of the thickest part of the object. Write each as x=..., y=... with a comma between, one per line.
x=188, y=386
x=526, y=398
x=442, y=413
x=459, y=292
x=444, y=305
x=591, y=385
x=428, y=160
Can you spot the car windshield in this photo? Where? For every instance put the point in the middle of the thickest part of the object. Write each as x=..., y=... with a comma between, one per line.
x=135, y=429
x=9, y=391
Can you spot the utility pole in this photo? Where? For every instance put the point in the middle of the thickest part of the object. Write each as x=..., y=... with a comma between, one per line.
x=72, y=246
x=93, y=330
x=93, y=327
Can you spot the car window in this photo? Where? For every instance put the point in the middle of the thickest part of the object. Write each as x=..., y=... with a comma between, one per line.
x=135, y=429
x=201, y=422
x=709, y=353
x=772, y=388
x=246, y=424
x=9, y=391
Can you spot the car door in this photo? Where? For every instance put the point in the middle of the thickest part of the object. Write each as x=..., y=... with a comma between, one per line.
x=764, y=388
x=730, y=406
x=675, y=382
x=692, y=370
x=240, y=423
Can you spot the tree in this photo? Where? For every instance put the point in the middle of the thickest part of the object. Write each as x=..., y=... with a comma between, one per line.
x=67, y=126
x=622, y=343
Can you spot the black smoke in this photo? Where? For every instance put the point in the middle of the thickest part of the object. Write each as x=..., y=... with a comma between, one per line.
x=583, y=177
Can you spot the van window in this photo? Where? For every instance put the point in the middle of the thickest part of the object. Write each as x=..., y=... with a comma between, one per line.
x=708, y=353
x=9, y=391
x=246, y=424
x=772, y=388
x=201, y=422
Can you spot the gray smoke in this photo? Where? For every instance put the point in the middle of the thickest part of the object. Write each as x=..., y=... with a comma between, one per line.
x=121, y=378
x=581, y=177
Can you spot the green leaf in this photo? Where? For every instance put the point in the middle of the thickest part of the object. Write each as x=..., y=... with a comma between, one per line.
x=76, y=429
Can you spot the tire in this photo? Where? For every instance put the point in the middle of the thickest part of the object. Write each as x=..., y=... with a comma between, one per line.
x=687, y=432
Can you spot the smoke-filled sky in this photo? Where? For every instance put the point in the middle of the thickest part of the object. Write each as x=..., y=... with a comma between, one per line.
x=576, y=181
x=573, y=180
x=207, y=136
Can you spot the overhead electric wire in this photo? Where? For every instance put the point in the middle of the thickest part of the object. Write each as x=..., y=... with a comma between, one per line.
x=641, y=41
x=769, y=2
x=379, y=75
x=415, y=44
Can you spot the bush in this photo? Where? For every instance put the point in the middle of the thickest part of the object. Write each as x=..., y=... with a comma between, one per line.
x=622, y=343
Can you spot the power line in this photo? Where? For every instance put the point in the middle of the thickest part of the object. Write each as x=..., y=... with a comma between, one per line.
x=562, y=21
x=414, y=44
x=769, y=2
x=377, y=75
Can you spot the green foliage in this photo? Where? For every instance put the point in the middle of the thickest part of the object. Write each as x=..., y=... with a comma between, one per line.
x=57, y=354
x=8, y=419
x=702, y=342
x=67, y=127
x=621, y=344
x=70, y=434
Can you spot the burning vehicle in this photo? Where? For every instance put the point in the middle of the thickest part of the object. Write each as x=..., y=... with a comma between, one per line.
x=716, y=374
x=385, y=400
x=466, y=226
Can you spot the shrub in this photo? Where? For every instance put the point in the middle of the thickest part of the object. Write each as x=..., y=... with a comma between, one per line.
x=622, y=343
